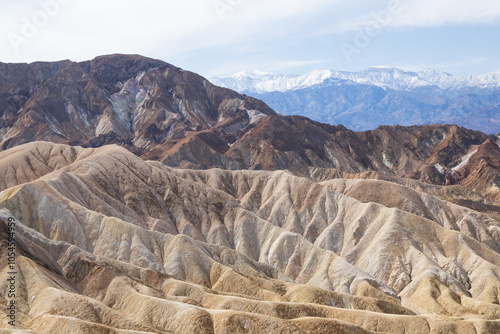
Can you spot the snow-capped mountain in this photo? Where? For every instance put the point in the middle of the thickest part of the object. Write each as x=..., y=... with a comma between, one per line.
x=378, y=95
x=385, y=77
x=247, y=80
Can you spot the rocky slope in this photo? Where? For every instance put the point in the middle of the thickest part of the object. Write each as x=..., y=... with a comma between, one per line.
x=163, y=113
x=130, y=100
x=108, y=242
x=148, y=200
x=430, y=154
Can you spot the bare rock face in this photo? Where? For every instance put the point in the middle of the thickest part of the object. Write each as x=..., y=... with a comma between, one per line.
x=148, y=200
x=161, y=112
x=108, y=242
x=130, y=100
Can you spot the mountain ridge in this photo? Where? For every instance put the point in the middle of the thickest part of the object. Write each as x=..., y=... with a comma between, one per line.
x=386, y=77
x=375, y=96
x=161, y=112
x=148, y=200
x=267, y=249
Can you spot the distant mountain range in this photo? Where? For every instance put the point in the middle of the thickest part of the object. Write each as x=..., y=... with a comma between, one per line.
x=377, y=96
x=161, y=112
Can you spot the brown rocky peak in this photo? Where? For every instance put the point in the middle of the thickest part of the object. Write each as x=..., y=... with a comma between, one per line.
x=129, y=98
x=113, y=69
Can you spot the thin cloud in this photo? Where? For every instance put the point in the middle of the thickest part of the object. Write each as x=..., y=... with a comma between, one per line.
x=450, y=67
x=424, y=13
x=263, y=34
x=79, y=29
x=429, y=13
x=275, y=67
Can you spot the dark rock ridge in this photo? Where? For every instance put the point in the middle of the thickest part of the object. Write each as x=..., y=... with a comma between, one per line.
x=130, y=100
x=161, y=112
x=395, y=230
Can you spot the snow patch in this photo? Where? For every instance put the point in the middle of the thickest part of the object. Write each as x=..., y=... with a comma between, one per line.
x=312, y=78
x=465, y=160
x=386, y=161
x=254, y=115
x=52, y=125
x=440, y=168
x=247, y=80
x=385, y=77
x=76, y=116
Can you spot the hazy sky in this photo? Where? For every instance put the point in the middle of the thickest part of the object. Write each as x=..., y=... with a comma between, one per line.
x=218, y=37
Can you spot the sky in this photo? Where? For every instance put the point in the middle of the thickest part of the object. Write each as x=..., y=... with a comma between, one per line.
x=221, y=37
